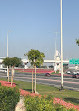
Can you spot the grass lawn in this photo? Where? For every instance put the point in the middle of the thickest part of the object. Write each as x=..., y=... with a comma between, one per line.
x=67, y=95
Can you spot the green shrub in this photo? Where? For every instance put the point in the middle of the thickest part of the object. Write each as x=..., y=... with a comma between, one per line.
x=38, y=104
x=8, y=98
x=0, y=83
x=43, y=104
x=62, y=108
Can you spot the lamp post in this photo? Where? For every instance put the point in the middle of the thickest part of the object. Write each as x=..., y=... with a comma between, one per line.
x=61, y=48
x=7, y=54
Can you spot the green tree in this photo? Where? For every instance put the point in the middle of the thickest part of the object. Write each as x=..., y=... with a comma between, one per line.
x=7, y=62
x=36, y=59
x=77, y=42
x=14, y=62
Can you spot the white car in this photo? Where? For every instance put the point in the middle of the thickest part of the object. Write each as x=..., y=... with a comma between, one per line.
x=74, y=72
x=68, y=72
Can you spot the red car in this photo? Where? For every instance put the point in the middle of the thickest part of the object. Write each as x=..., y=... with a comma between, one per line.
x=74, y=75
x=47, y=74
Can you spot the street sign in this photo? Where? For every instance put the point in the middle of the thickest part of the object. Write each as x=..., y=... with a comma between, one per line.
x=74, y=61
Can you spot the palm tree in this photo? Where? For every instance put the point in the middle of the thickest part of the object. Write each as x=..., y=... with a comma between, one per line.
x=36, y=59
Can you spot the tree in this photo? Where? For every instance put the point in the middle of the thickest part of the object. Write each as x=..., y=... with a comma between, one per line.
x=7, y=62
x=77, y=42
x=14, y=62
x=36, y=59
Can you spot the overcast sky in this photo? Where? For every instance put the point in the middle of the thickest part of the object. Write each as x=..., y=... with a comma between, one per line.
x=32, y=25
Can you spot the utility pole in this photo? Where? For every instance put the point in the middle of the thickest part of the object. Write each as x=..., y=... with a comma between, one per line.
x=61, y=48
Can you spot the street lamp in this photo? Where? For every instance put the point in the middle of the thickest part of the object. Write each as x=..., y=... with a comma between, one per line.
x=61, y=48
x=7, y=42
x=7, y=52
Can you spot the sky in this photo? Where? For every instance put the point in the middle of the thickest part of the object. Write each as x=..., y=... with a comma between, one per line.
x=31, y=24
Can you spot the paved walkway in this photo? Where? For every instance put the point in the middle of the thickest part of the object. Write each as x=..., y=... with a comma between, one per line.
x=20, y=105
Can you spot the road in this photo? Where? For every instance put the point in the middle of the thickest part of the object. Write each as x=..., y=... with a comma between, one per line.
x=54, y=80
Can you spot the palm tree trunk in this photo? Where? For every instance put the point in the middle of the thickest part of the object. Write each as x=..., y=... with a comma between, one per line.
x=32, y=81
x=8, y=74
x=35, y=79
x=12, y=75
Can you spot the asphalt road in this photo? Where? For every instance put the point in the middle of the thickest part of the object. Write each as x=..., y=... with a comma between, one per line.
x=54, y=80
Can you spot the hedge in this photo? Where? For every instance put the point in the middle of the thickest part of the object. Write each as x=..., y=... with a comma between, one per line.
x=8, y=98
x=43, y=104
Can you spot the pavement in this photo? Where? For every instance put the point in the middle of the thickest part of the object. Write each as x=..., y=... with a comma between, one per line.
x=20, y=106
x=53, y=80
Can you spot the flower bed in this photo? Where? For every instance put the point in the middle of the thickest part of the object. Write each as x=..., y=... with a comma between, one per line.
x=67, y=105
x=37, y=71
x=55, y=100
x=25, y=93
x=8, y=84
x=43, y=104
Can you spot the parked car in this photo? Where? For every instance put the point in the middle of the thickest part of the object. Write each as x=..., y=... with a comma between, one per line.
x=48, y=74
x=77, y=75
x=74, y=75
x=68, y=72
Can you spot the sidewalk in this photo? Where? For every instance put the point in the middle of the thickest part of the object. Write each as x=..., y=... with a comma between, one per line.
x=20, y=105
